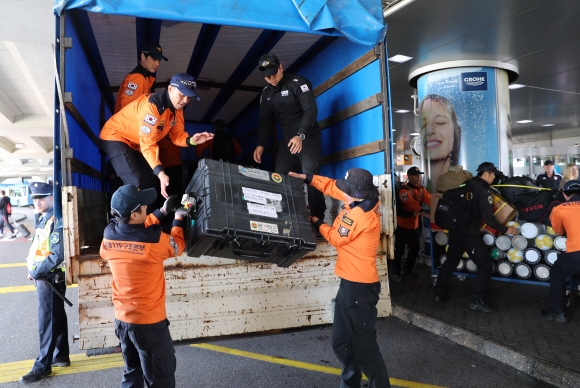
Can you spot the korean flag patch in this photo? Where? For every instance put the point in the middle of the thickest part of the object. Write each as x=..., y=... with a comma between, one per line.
x=343, y=231
x=132, y=86
x=304, y=88
x=150, y=119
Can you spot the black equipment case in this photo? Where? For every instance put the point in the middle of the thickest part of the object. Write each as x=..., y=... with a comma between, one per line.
x=248, y=214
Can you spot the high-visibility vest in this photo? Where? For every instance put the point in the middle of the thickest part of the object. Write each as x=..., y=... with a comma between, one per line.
x=41, y=248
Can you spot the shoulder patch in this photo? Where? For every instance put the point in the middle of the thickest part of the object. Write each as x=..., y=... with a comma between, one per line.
x=304, y=88
x=490, y=200
x=129, y=92
x=347, y=220
x=54, y=238
x=146, y=130
x=284, y=93
x=151, y=120
x=132, y=86
x=295, y=80
x=343, y=231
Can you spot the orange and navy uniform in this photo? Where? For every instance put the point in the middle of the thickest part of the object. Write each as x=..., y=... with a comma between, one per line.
x=564, y=220
x=412, y=197
x=145, y=122
x=136, y=83
x=135, y=253
x=355, y=234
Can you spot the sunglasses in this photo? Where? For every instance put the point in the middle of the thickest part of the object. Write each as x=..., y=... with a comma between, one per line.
x=268, y=66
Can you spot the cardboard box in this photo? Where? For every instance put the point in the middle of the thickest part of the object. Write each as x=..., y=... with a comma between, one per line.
x=503, y=212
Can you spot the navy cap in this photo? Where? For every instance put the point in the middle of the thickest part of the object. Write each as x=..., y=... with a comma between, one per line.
x=572, y=185
x=487, y=167
x=358, y=183
x=153, y=50
x=268, y=65
x=549, y=162
x=185, y=83
x=129, y=198
x=40, y=189
x=414, y=171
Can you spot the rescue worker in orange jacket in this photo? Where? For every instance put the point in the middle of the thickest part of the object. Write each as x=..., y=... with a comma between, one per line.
x=356, y=234
x=141, y=79
x=564, y=220
x=412, y=196
x=130, y=136
x=135, y=247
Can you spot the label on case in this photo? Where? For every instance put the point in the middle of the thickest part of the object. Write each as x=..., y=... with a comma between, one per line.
x=264, y=227
x=260, y=193
x=263, y=201
x=262, y=210
x=254, y=173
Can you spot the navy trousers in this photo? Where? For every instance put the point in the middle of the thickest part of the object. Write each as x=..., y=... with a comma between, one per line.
x=148, y=353
x=52, y=323
x=412, y=239
x=354, y=338
x=567, y=265
x=307, y=161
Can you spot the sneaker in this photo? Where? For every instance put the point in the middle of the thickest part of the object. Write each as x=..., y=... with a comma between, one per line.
x=62, y=364
x=33, y=376
x=480, y=305
x=440, y=296
x=553, y=315
x=12, y=237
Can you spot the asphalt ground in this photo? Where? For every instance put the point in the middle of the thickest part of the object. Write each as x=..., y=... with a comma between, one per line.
x=299, y=358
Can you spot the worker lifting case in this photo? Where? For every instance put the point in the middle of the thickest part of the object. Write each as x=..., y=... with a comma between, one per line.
x=248, y=214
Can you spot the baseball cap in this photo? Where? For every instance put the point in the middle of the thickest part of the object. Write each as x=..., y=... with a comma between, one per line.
x=549, y=162
x=268, y=65
x=129, y=198
x=572, y=185
x=153, y=50
x=414, y=171
x=487, y=167
x=185, y=83
x=358, y=183
x=40, y=190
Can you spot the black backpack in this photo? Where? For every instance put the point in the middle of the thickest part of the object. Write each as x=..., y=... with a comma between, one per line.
x=456, y=209
x=223, y=147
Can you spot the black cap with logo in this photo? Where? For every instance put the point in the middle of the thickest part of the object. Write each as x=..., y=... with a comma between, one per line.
x=414, y=171
x=154, y=51
x=128, y=199
x=268, y=65
x=549, y=162
x=358, y=183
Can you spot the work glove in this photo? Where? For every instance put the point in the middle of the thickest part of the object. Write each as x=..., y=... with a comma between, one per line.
x=181, y=212
x=171, y=204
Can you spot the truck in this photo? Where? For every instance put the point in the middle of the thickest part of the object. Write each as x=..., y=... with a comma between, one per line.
x=339, y=46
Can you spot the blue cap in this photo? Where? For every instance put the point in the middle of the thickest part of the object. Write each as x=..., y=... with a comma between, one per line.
x=185, y=84
x=572, y=185
x=129, y=198
x=40, y=189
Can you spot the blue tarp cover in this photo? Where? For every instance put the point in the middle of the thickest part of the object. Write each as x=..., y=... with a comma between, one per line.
x=359, y=20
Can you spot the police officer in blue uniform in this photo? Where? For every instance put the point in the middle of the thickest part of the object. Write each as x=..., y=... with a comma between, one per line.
x=45, y=264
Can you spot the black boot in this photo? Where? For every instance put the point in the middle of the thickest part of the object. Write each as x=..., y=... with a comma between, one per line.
x=478, y=304
x=554, y=315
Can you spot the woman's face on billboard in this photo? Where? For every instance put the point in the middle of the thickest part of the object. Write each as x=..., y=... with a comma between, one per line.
x=437, y=130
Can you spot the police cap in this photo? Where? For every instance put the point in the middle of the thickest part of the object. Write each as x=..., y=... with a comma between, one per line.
x=40, y=190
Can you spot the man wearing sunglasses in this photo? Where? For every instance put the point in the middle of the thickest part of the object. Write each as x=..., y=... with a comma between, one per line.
x=289, y=99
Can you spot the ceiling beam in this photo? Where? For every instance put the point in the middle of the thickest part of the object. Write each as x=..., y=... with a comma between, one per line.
x=44, y=143
x=24, y=70
x=205, y=40
x=6, y=145
x=26, y=155
x=8, y=111
x=28, y=125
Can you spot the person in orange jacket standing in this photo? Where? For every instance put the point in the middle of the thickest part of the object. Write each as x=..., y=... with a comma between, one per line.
x=141, y=79
x=130, y=136
x=412, y=196
x=135, y=248
x=356, y=234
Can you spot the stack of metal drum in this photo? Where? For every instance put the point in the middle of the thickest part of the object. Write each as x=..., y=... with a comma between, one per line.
x=529, y=254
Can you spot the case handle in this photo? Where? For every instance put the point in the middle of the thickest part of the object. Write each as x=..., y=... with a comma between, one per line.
x=253, y=255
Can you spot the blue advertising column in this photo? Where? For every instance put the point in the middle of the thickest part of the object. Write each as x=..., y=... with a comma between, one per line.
x=464, y=116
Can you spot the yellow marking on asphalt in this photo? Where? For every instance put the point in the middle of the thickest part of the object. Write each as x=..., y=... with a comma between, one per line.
x=303, y=365
x=80, y=363
x=8, y=290
x=10, y=265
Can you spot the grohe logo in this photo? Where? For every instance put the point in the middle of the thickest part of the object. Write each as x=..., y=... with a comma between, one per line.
x=473, y=81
